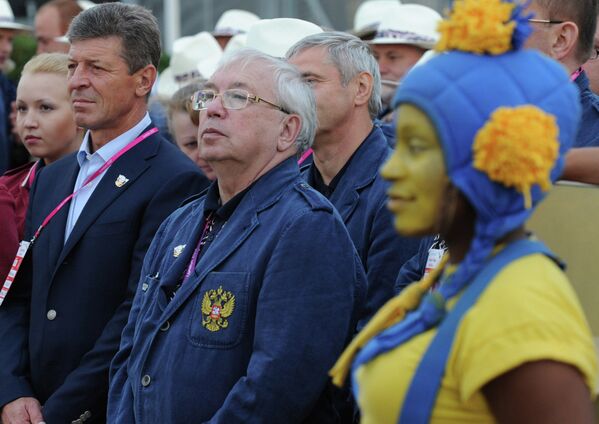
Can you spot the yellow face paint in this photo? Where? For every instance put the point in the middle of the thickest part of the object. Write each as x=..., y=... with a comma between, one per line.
x=416, y=170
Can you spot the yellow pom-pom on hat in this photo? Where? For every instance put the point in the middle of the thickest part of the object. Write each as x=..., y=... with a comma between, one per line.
x=478, y=26
x=517, y=147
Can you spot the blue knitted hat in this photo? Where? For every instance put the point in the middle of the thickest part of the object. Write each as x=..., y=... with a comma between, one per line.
x=459, y=91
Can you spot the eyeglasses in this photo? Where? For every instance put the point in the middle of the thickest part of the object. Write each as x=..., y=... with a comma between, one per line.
x=545, y=21
x=234, y=99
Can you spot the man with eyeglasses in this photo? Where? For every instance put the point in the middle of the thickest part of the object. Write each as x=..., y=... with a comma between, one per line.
x=249, y=292
x=564, y=30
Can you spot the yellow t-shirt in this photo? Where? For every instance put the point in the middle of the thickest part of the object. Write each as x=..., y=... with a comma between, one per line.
x=528, y=312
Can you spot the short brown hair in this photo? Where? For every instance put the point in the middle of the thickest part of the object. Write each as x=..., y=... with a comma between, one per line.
x=583, y=13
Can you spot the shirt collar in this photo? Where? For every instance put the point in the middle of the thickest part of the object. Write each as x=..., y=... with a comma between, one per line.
x=113, y=146
x=212, y=204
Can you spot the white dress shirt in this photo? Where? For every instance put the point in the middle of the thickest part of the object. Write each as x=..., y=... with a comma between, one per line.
x=91, y=162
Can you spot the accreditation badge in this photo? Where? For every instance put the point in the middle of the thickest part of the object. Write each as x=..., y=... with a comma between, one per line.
x=433, y=260
x=16, y=264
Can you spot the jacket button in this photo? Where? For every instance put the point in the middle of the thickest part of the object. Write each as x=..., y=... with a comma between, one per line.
x=145, y=380
x=165, y=326
x=51, y=315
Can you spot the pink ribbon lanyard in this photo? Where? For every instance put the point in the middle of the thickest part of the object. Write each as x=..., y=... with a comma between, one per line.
x=576, y=74
x=305, y=156
x=196, y=252
x=93, y=177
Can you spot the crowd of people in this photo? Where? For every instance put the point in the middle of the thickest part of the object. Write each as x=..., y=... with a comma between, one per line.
x=295, y=224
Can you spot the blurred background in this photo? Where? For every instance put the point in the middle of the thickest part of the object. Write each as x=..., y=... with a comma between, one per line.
x=187, y=17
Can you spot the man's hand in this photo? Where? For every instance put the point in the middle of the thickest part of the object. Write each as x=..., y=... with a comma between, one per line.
x=25, y=410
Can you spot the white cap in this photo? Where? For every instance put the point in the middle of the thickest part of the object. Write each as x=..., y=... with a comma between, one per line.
x=234, y=21
x=276, y=36
x=7, y=18
x=412, y=24
x=369, y=14
x=193, y=57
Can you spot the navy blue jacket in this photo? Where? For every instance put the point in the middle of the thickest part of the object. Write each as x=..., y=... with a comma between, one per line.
x=62, y=357
x=588, y=133
x=413, y=269
x=361, y=199
x=286, y=258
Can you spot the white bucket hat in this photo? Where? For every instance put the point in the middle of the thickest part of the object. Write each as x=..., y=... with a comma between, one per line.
x=233, y=22
x=7, y=18
x=412, y=24
x=276, y=36
x=369, y=15
x=193, y=57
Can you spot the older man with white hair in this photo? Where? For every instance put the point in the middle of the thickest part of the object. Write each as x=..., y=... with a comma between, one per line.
x=249, y=292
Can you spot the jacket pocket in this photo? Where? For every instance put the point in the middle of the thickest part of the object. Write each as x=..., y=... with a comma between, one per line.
x=220, y=310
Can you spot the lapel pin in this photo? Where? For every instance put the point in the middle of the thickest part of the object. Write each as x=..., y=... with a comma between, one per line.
x=178, y=250
x=121, y=180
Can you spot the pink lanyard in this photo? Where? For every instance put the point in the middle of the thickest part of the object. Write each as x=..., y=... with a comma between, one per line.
x=305, y=156
x=93, y=177
x=576, y=74
x=196, y=252
x=28, y=181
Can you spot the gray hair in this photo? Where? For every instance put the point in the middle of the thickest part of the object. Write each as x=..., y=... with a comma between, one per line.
x=134, y=25
x=292, y=93
x=350, y=55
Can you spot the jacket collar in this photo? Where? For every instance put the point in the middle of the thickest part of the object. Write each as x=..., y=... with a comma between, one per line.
x=264, y=193
x=131, y=165
x=361, y=172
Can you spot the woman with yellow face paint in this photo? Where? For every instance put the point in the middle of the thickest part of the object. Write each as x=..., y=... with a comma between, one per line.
x=481, y=134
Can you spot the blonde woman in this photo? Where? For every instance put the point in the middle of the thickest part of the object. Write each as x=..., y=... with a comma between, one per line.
x=46, y=125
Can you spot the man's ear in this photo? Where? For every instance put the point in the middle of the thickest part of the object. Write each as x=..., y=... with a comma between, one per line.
x=144, y=80
x=565, y=39
x=290, y=128
x=364, y=86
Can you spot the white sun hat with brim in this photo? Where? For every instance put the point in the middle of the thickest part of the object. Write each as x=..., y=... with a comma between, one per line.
x=233, y=22
x=7, y=18
x=193, y=57
x=411, y=24
x=369, y=15
x=276, y=36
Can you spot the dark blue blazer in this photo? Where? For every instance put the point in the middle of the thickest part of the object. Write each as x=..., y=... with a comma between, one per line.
x=588, y=132
x=62, y=357
x=361, y=199
x=414, y=268
x=297, y=282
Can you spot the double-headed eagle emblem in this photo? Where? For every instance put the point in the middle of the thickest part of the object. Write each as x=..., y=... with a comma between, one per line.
x=217, y=306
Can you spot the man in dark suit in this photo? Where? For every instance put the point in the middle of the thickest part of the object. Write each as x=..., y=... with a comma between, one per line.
x=348, y=152
x=61, y=323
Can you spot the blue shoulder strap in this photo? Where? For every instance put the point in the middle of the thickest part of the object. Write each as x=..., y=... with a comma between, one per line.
x=422, y=393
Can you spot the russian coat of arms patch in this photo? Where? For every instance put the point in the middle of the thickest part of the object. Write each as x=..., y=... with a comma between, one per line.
x=217, y=306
